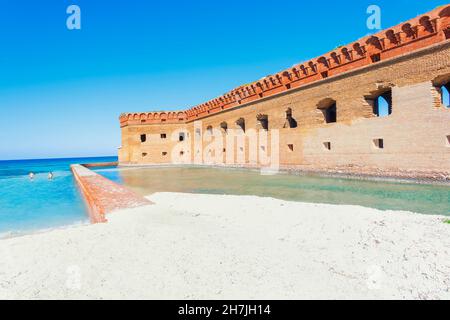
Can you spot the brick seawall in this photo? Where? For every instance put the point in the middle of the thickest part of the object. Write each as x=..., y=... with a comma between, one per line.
x=103, y=196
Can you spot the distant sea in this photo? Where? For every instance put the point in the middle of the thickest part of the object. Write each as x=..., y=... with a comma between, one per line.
x=33, y=205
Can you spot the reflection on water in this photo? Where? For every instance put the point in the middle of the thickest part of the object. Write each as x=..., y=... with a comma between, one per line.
x=426, y=199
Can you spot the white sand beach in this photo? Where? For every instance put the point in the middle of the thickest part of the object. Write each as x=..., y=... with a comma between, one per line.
x=234, y=247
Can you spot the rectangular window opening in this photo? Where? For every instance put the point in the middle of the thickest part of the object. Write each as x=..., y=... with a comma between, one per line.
x=327, y=145
x=291, y=147
x=163, y=136
x=375, y=57
x=330, y=112
x=378, y=143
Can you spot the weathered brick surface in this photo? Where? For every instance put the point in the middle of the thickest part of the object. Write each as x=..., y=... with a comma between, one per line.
x=151, y=151
x=415, y=134
x=103, y=196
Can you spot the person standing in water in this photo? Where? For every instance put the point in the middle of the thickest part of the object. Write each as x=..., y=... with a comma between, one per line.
x=50, y=176
x=31, y=175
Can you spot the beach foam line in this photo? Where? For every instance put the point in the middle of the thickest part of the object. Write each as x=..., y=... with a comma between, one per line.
x=102, y=195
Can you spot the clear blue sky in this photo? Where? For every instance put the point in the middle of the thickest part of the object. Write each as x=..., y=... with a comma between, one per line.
x=61, y=91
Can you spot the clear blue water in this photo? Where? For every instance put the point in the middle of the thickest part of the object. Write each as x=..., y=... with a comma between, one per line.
x=427, y=199
x=28, y=206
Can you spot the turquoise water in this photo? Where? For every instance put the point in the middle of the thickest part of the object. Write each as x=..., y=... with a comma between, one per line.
x=427, y=199
x=27, y=205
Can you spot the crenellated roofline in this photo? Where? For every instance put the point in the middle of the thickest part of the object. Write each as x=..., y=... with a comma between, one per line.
x=418, y=33
x=169, y=117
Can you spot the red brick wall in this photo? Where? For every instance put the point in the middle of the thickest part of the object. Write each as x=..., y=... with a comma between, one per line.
x=414, y=135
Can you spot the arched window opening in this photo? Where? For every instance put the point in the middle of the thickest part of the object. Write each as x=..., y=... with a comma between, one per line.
x=224, y=126
x=331, y=114
x=290, y=121
x=329, y=110
x=263, y=120
x=445, y=96
x=241, y=124
x=381, y=102
x=382, y=106
x=181, y=137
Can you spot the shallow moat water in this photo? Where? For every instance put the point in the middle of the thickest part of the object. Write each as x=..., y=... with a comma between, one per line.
x=427, y=199
x=33, y=205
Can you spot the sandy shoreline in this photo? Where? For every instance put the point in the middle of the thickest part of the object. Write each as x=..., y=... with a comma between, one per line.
x=234, y=247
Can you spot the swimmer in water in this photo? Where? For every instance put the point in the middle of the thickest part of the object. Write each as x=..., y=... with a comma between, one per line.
x=50, y=176
x=31, y=175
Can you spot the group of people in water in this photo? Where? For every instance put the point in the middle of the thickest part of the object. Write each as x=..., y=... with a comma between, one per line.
x=50, y=175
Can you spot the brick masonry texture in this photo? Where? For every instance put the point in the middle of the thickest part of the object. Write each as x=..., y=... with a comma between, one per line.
x=103, y=196
x=410, y=61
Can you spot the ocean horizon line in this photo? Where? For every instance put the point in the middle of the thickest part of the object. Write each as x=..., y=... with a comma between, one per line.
x=58, y=158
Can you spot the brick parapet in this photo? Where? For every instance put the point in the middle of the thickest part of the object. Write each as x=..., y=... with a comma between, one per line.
x=143, y=118
x=418, y=33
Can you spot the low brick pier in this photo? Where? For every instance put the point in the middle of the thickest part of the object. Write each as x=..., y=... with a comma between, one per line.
x=103, y=196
